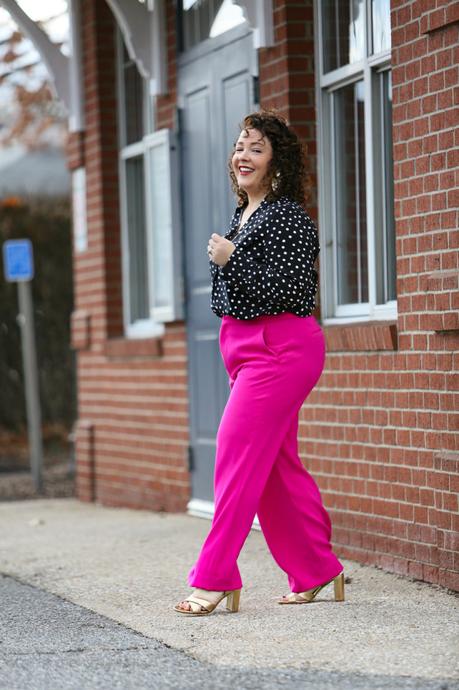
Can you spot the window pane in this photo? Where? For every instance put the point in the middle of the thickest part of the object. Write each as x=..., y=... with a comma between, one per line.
x=385, y=225
x=137, y=243
x=133, y=101
x=343, y=32
x=380, y=21
x=161, y=212
x=201, y=19
x=350, y=194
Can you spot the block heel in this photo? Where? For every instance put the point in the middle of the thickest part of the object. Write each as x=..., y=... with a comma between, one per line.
x=232, y=600
x=338, y=584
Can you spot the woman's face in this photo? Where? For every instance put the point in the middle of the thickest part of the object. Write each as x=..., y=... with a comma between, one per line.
x=251, y=159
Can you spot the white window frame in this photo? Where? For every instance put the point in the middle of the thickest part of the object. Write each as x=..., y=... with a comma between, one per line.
x=165, y=229
x=141, y=328
x=332, y=313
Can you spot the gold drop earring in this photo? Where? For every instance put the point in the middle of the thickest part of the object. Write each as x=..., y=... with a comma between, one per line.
x=275, y=182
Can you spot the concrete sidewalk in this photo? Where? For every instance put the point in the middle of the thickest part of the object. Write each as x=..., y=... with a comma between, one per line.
x=131, y=566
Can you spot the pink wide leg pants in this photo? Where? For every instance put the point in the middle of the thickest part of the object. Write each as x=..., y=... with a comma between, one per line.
x=273, y=362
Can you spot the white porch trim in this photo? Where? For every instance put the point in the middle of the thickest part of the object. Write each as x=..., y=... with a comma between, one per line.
x=76, y=117
x=143, y=30
x=259, y=14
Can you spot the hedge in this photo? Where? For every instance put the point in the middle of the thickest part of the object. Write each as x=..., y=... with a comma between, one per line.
x=46, y=222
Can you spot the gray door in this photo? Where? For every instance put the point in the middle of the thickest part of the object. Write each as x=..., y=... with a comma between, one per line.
x=215, y=92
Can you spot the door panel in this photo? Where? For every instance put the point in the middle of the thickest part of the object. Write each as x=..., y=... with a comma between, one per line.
x=215, y=92
x=196, y=187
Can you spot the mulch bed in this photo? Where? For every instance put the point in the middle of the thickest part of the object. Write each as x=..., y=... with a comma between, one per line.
x=16, y=482
x=58, y=482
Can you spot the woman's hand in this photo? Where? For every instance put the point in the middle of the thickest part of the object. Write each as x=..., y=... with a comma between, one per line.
x=219, y=249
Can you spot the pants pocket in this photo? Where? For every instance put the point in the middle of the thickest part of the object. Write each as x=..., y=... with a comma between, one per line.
x=270, y=346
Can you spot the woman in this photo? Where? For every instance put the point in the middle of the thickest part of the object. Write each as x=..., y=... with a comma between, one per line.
x=263, y=287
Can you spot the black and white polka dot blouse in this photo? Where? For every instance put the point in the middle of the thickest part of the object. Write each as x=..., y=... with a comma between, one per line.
x=271, y=269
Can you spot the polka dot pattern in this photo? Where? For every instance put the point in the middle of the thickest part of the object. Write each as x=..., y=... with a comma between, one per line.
x=271, y=270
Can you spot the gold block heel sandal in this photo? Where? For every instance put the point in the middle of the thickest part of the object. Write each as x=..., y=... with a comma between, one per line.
x=202, y=607
x=310, y=594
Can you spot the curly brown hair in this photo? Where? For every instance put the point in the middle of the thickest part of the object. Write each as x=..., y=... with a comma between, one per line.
x=287, y=165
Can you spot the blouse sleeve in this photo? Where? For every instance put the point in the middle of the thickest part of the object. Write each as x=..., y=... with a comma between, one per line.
x=284, y=276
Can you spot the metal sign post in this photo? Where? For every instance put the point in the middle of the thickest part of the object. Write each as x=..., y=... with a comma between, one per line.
x=18, y=267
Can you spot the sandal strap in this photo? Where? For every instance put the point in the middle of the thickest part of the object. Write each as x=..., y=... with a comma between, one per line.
x=308, y=595
x=295, y=596
x=203, y=603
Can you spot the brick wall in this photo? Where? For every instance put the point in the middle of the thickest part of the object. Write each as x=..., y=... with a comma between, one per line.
x=132, y=430
x=287, y=78
x=378, y=432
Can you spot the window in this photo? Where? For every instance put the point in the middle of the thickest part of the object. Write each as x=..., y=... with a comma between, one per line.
x=355, y=153
x=202, y=19
x=152, y=280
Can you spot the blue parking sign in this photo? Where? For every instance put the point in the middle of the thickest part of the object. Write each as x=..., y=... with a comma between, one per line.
x=18, y=260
